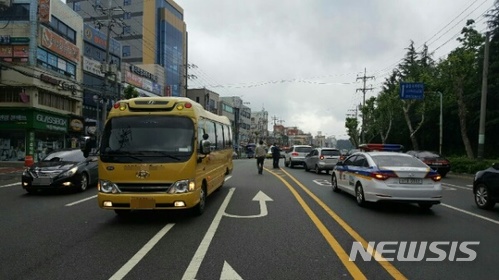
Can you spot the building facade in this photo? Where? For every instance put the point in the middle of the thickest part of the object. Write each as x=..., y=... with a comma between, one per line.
x=152, y=33
x=40, y=79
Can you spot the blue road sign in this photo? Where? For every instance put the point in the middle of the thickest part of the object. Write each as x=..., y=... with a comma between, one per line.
x=411, y=90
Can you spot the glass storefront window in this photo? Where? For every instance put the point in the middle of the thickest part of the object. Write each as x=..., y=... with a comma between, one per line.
x=45, y=143
x=12, y=145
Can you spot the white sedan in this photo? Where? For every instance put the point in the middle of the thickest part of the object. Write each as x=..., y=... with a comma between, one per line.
x=387, y=176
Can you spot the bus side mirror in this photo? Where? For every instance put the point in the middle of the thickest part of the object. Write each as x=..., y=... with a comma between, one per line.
x=205, y=147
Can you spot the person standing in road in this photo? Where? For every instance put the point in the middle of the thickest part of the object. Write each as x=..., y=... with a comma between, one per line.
x=276, y=155
x=260, y=156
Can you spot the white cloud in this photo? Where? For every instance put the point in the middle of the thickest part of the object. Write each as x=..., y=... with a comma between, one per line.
x=263, y=50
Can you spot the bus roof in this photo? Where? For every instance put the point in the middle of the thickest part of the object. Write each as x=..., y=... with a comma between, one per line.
x=164, y=104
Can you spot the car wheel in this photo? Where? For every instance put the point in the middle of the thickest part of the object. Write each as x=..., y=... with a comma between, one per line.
x=425, y=205
x=306, y=167
x=122, y=212
x=83, y=182
x=359, y=195
x=291, y=165
x=286, y=163
x=199, y=208
x=317, y=170
x=334, y=183
x=482, y=198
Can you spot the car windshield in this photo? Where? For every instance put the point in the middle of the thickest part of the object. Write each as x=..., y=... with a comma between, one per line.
x=331, y=153
x=70, y=155
x=397, y=160
x=303, y=149
x=147, y=139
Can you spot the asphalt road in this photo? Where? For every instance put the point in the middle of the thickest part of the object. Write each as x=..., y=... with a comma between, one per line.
x=284, y=224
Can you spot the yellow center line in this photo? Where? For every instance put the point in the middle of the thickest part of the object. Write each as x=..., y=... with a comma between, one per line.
x=394, y=272
x=335, y=245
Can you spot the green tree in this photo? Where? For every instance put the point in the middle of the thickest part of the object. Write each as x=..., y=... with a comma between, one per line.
x=352, y=126
x=130, y=92
x=460, y=72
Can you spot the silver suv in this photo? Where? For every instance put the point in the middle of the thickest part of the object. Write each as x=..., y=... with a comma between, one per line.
x=322, y=159
x=296, y=155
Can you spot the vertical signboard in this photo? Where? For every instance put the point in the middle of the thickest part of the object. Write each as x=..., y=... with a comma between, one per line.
x=44, y=11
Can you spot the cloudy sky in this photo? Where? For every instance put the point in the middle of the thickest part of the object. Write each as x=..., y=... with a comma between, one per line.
x=300, y=60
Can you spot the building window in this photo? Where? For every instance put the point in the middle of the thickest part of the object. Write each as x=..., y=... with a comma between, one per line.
x=127, y=2
x=127, y=15
x=62, y=29
x=126, y=29
x=126, y=51
x=15, y=12
x=77, y=6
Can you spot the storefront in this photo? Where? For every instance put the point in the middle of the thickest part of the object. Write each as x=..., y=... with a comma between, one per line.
x=29, y=131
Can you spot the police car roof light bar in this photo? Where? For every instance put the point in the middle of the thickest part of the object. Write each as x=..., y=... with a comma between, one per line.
x=381, y=147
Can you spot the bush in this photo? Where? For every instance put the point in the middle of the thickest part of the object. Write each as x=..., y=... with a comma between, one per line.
x=469, y=166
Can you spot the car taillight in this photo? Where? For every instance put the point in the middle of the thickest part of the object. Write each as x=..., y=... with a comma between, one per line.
x=294, y=154
x=434, y=177
x=383, y=175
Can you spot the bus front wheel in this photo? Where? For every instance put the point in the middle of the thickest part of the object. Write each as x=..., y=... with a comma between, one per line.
x=199, y=208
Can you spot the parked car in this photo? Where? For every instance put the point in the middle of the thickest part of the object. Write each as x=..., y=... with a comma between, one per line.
x=322, y=159
x=64, y=169
x=387, y=176
x=433, y=160
x=296, y=155
x=486, y=187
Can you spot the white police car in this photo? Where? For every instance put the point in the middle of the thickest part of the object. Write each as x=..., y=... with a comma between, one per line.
x=379, y=173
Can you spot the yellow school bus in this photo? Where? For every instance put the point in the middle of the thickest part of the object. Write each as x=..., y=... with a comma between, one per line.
x=162, y=153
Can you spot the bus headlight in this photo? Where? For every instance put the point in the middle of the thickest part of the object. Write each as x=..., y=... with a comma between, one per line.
x=107, y=187
x=182, y=186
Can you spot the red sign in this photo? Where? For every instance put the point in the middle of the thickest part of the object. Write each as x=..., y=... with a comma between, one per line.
x=20, y=51
x=59, y=45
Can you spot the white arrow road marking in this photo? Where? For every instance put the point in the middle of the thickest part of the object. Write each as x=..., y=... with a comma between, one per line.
x=228, y=273
x=260, y=197
x=322, y=182
x=448, y=188
x=456, y=186
x=193, y=268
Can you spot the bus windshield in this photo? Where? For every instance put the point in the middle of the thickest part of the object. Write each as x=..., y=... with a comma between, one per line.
x=152, y=139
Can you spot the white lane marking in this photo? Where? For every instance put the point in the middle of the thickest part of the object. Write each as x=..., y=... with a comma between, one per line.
x=123, y=271
x=456, y=186
x=10, y=185
x=193, y=268
x=471, y=214
x=80, y=201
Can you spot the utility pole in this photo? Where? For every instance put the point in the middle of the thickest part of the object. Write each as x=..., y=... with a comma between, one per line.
x=483, y=104
x=107, y=68
x=364, y=89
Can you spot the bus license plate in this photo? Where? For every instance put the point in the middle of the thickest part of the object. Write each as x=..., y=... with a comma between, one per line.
x=410, y=181
x=142, y=203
